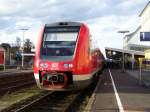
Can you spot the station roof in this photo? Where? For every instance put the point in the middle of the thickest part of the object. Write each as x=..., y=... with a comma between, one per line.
x=125, y=51
x=144, y=8
x=131, y=34
x=138, y=45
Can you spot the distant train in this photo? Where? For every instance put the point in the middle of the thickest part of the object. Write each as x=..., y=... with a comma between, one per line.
x=65, y=58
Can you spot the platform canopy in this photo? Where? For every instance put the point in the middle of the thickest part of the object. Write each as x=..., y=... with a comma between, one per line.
x=125, y=51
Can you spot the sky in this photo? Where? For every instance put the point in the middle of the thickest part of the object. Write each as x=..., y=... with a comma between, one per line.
x=104, y=18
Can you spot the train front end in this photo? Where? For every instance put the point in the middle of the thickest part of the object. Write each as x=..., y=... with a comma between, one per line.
x=55, y=58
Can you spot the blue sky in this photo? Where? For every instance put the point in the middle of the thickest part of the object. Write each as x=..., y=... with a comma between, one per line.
x=104, y=17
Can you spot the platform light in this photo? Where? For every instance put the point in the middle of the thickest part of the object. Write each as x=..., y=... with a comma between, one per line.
x=114, y=53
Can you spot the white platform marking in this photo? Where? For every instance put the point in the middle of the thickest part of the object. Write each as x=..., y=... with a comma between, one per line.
x=116, y=94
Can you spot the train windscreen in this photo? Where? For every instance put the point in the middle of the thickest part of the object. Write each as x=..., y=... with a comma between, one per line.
x=59, y=43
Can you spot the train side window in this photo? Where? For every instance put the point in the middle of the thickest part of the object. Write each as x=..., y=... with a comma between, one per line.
x=89, y=48
x=90, y=44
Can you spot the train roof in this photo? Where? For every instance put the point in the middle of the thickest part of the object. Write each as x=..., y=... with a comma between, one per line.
x=56, y=24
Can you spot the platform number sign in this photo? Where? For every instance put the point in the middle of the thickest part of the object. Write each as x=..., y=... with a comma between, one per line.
x=144, y=36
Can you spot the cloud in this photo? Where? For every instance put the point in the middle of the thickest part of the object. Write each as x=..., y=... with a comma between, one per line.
x=104, y=17
x=105, y=29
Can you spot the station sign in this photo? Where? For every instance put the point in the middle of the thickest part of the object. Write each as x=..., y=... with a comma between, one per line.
x=144, y=36
x=146, y=62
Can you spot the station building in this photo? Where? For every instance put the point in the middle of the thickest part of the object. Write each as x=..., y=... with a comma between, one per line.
x=133, y=48
x=132, y=41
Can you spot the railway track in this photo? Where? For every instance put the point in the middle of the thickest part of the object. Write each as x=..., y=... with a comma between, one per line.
x=53, y=102
x=11, y=81
x=47, y=102
x=64, y=101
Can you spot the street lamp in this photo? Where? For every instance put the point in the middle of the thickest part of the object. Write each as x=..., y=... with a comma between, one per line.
x=123, y=59
x=23, y=30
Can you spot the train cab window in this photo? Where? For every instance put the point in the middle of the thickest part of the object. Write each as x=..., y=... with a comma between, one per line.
x=59, y=44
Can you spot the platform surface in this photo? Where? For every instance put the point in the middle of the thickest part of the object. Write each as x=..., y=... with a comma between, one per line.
x=133, y=97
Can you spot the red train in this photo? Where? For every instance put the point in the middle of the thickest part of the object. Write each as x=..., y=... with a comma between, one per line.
x=65, y=58
x=2, y=56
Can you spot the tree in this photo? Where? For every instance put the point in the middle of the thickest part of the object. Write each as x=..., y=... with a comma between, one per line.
x=18, y=42
x=15, y=50
x=28, y=45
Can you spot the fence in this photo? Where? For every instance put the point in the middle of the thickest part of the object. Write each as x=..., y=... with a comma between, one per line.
x=144, y=77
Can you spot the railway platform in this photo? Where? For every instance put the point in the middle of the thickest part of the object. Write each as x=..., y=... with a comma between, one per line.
x=119, y=92
x=14, y=71
x=12, y=80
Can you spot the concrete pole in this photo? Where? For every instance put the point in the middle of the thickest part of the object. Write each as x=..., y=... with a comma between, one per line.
x=123, y=68
x=123, y=59
x=23, y=50
x=132, y=60
x=23, y=30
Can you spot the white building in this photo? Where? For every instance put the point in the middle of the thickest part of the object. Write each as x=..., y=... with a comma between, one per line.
x=145, y=18
x=132, y=41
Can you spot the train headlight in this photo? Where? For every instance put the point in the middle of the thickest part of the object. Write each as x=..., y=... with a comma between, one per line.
x=68, y=65
x=43, y=65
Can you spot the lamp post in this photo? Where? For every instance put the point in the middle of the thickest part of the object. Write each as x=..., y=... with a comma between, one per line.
x=23, y=30
x=123, y=58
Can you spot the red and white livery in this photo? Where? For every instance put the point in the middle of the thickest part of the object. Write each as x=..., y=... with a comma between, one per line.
x=65, y=58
